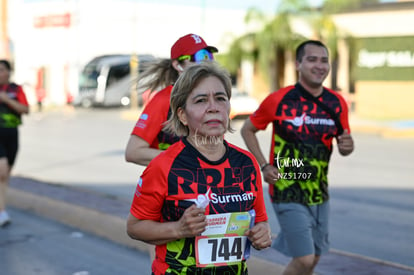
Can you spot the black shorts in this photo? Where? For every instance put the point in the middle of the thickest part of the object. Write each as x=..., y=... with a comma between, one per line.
x=9, y=144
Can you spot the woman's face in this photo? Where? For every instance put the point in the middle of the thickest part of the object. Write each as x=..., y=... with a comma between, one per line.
x=4, y=74
x=207, y=109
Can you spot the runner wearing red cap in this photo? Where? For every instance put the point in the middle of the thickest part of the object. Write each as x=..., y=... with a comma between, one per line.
x=148, y=139
x=189, y=45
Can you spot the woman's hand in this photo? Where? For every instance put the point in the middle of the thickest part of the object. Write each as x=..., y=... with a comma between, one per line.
x=260, y=235
x=4, y=97
x=192, y=223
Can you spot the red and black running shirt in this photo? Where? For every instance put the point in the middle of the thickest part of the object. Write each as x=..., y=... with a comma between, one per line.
x=301, y=144
x=8, y=117
x=174, y=179
x=150, y=123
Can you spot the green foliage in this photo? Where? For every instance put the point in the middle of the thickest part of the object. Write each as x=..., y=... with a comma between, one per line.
x=336, y=6
x=276, y=38
x=267, y=46
x=254, y=15
x=293, y=6
x=326, y=31
x=242, y=48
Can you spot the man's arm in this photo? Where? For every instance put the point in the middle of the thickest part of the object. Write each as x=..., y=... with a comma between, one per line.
x=248, y=132
x=14, y=104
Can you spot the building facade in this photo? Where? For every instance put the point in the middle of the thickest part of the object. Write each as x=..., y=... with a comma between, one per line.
x=381, y=59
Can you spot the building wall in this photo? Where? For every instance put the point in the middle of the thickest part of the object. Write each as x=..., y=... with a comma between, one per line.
x=385, y=100
x=384, y=76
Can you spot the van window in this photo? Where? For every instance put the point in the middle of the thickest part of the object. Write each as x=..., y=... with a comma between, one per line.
x=89, y=77
x=116, y=73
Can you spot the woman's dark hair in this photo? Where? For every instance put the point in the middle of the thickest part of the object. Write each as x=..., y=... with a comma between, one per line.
x=6, y=64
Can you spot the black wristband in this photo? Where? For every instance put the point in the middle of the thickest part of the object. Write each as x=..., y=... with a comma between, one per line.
x=263, y=166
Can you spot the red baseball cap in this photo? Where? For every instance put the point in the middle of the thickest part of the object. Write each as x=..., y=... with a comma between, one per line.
x=189, y=45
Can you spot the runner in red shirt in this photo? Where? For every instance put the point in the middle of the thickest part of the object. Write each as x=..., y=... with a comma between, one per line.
x=13, y=104
x=306, y=118
x=200, y=201
x=148, y=139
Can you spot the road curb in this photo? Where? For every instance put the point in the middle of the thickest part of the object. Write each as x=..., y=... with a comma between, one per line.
x=373, y=260
x=90, y=220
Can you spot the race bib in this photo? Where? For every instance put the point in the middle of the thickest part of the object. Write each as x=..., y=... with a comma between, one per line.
x=222, y=242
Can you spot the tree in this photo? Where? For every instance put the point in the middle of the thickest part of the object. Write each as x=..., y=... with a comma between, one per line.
x=327, y=31
x=242, y=48
x=268, y=46
x=274, y=40
x=335, y=6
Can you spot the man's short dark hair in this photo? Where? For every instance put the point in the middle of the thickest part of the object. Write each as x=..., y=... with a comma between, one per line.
x=300, y=50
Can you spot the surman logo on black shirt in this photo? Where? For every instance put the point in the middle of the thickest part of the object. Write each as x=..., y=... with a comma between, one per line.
x=304, y=119
x=216, y=198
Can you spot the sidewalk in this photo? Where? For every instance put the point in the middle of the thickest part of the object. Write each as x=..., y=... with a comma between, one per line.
x=105, y=216
x=384, y=128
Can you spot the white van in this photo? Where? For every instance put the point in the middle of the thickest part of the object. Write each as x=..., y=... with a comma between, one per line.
x=106, y=81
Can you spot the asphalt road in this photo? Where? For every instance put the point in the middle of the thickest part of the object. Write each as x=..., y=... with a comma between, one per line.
x=372, y=194
x=34, y=245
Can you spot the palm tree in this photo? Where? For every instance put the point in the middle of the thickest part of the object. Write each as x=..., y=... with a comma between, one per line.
x=268, y=47
x=335, y=6
x=275, y=40
x=326, y=30
x=242, y=48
